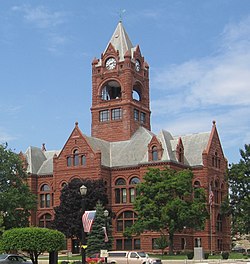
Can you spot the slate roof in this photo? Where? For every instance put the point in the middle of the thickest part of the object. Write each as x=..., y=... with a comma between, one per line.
x=131, y=152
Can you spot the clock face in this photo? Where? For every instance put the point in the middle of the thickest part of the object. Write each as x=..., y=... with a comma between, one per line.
x=110, y=63
x=137, y=65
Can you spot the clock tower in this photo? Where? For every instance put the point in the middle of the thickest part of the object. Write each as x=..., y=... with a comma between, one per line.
x=120, y=90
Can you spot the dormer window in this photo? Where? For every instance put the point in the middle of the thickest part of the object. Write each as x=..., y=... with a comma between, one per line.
x=154, y=153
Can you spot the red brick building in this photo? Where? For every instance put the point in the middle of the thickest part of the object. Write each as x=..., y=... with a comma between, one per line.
x=121, y=148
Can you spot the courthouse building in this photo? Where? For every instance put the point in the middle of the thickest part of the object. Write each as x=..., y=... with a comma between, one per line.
x=122, y=147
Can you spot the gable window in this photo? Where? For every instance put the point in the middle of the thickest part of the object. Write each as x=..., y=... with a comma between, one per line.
x=154, y=153
x=68, y=161
x=76, y=157
x=116, y=114
x=104, y=115
x=83, y=160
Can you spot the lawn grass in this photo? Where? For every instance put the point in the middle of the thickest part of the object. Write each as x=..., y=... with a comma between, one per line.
x=163, y=257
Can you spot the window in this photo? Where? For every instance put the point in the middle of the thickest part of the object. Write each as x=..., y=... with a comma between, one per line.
x=183, y=243
x=132, y=190
x=116, y=114
x=76, y=157
x=128, y=244
x=219, y=223
x=216, y=161
x=104, y=115
x=45, y=221
x=83, y=160
x=124, y=220
x=143, y=118
x=121, y=191
x=111, y=90
x=154, y=153
x=136, y=115
x=219, y=245
x=45, y=196
x=68, y=161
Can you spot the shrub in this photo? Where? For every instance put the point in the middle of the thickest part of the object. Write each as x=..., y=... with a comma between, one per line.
x=190, y=255
x=206, y=255
x=225, y=255
x=64, y=262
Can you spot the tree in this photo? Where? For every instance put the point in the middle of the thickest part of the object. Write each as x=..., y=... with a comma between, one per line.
x=33, y=241
x=68, y=215
x=167, y=203
x=239, y=196
x=161, y=242
x=16, y=199
x=96, y=236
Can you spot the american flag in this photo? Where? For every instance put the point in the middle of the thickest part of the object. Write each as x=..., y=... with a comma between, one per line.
x=211, y=197
x=87, y=220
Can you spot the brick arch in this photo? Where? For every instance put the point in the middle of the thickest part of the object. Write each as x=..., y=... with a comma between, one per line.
x=103, y=83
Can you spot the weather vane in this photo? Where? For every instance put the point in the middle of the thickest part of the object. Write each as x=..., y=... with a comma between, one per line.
x=122, y=11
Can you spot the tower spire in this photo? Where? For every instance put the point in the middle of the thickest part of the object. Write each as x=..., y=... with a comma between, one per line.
x=120, y=41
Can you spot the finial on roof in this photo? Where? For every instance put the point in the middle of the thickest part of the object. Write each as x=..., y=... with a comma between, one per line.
x=76, y=123
x=214, y=122
x=43, y=147
x=120, y=14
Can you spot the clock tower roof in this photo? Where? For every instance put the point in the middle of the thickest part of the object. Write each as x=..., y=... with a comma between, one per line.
x=120, y=41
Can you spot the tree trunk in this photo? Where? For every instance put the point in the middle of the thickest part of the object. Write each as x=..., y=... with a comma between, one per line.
x=171, y=243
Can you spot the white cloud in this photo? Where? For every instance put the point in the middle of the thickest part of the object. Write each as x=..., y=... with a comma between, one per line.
x=40, y=16
x=222, y=79
x=196, y=92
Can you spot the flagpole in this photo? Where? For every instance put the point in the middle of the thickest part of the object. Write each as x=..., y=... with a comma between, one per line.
x=83, y=191
x=211, y=231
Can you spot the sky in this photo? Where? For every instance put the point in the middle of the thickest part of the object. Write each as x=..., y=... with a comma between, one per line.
x=198, y=53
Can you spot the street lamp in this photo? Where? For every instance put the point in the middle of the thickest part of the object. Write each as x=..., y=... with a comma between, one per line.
x=106, y=214
x=83, y=191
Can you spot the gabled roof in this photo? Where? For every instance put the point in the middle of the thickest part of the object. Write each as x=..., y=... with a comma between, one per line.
x=120, y=41
x=40, y=162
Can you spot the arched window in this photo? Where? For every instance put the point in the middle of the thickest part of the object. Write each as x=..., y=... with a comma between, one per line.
x=124, y=220
x=111, y=90
x=132, y=189
x=45, y=221
x=76, y=157
x=120, y=191
x=45, y=196
x=63, y=184
x=136, y=92
x=154, y=153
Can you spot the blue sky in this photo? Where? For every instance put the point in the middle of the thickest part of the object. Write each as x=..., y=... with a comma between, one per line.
x=198, y=52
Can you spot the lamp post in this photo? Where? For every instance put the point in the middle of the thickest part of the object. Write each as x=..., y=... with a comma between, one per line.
x=106, y=214
x=83, y=191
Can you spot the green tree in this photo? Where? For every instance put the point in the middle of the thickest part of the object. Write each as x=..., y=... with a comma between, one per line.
x=96, y=236
x=16, y=199
x=167, y=203
x=68, y=215
x=33, y=241
x=161, y=242
x=239, y=196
